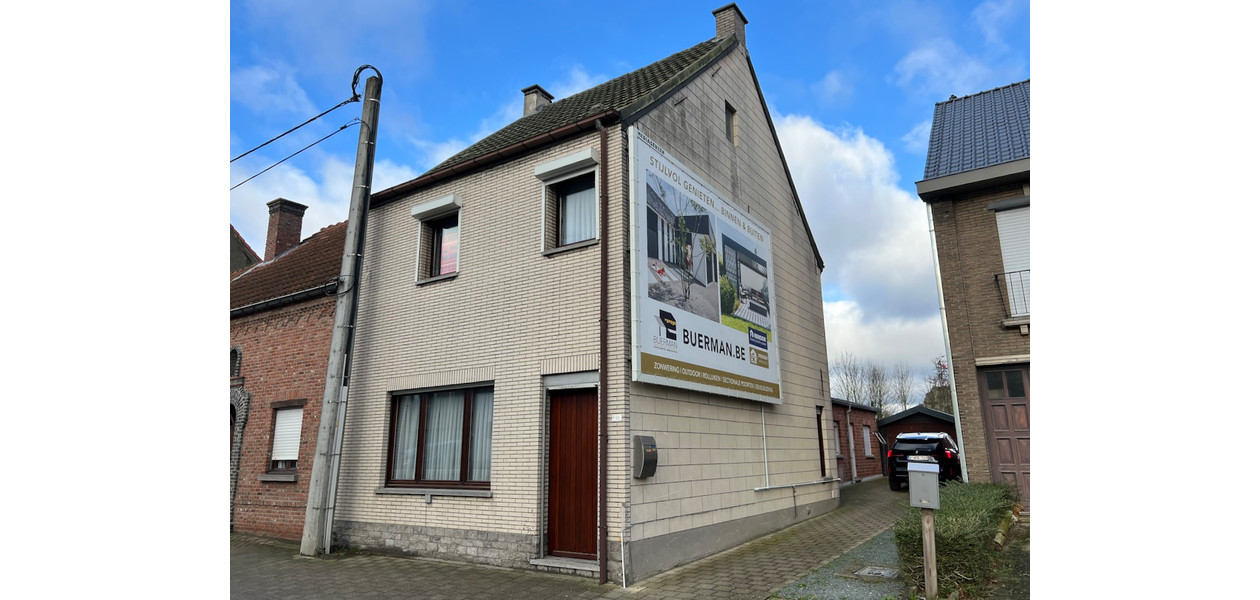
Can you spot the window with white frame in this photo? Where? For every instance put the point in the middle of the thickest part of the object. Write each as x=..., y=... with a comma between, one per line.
x=286, y=437
x=836, y=428
x=866, y=439
x=438, y=253
x=441, y=438
x=570, y=203
x=1013, y=237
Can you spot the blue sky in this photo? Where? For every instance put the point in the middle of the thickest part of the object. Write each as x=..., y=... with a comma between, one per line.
x=851, y=86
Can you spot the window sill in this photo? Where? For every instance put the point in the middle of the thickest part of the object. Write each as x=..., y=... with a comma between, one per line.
x=568, y=247
x=1017, y=321
x=281, y=477
x=437, y=278
x=435, y=492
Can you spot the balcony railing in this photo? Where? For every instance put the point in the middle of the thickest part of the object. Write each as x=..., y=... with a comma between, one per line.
x=1013, y=287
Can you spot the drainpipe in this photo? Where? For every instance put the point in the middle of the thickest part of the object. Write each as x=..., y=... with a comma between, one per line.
x=953, y=387
x=849, y=434
x=603, y=356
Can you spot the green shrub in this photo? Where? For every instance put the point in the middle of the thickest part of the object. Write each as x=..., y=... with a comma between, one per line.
x=966, y=524
x=728, y=295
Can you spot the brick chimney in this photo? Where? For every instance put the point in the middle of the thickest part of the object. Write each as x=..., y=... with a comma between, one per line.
x=730, y=19
x=284, y=228
x=535, y=98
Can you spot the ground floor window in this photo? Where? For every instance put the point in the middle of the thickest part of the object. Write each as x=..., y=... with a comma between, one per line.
x=441, y=438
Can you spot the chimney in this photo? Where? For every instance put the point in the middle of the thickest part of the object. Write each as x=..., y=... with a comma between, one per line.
x=535, y=98
x=730, y=19
x=284, y=228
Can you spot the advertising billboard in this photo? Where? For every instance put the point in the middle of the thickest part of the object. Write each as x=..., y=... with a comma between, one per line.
x=702, y=306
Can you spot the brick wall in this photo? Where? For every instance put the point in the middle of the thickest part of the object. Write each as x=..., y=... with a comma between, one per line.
x=970, y=254
x=868, y=465
x=284, y=357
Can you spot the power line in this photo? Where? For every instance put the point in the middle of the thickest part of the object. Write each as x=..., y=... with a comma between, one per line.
x=339, y=129
x=354, y=98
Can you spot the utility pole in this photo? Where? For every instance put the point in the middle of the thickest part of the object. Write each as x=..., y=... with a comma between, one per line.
x=317, y=531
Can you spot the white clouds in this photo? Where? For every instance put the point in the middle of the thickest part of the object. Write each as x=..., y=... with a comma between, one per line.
x=938, y=68
x=832, y=88
x=872, y=234
x=326, y=193
x=916, y=341
x=579, y=80
x=916, y=140
x=270, y=88
x=991, y=17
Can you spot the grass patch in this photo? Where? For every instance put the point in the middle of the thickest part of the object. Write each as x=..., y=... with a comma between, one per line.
x=742, y=325
x=966, y=524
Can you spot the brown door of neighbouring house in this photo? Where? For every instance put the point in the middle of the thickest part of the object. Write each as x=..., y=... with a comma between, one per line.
x=572, y=475
x=1005, y=395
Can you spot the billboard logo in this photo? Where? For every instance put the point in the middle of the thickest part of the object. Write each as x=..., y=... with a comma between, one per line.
x=758, y=338
x=667, y=320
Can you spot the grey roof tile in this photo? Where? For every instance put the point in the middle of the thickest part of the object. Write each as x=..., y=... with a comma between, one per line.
x=980, y=130
x=615, y=94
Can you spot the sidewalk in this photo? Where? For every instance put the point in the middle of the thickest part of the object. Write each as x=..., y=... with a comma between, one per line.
x=267, y=569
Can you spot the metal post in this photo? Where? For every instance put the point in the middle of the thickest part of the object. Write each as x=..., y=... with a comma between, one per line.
x=317, y=530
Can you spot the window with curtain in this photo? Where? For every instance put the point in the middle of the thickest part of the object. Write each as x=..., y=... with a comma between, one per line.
x=576, y=209
x=441, y=438
x=287, y=435
x=866, y=439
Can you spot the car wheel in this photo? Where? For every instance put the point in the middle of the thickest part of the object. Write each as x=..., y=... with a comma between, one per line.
x=894, y=484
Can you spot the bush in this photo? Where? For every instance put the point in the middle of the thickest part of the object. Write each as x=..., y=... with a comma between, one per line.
x=966, y=524
x=728, y=295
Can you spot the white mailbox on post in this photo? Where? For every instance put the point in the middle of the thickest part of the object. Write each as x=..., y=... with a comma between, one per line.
x=925, y=491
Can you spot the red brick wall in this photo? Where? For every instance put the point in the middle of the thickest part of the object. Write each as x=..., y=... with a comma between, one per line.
x=970, y=254
x=866, y=465
x=284, y=356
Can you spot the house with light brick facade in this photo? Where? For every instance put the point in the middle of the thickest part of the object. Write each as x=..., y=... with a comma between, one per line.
x=541, y=382
x=281, y=323
x=977, y=186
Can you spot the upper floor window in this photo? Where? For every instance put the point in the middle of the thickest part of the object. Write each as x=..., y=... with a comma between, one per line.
x=439, y=236
x=1013, y=237
x=570, y=206
x=732, y=125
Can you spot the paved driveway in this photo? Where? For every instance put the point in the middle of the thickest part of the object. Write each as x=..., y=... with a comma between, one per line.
x=265, y=569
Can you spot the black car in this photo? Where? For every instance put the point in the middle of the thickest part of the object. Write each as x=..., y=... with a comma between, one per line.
x=925, y=447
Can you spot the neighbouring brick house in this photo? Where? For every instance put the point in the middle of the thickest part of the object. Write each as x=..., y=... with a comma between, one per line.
x=977, y=184
x=508, y=285
x=281, y=318
x=917, y=419
x=859, y=451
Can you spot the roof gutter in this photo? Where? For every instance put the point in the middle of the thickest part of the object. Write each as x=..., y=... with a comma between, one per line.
x=322, y=290
x=386, y=196
x=1007, y=172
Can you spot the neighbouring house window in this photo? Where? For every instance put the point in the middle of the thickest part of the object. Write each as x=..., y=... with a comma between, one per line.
x=836, y=428
x=822, y=462
x=287, y=434
x=575, y=209
x=1013, y=237
x=866, y=440
x=236, y=362
x=732, y=125
x=441, y=438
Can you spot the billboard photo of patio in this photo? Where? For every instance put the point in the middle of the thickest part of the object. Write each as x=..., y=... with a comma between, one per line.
x=681, y=255
x=745, y=286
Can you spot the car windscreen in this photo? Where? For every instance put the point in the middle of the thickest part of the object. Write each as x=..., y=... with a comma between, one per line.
x=913, y=445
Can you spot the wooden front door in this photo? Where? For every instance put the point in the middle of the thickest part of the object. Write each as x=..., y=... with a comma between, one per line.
x=1005, y=395
x=572, y=475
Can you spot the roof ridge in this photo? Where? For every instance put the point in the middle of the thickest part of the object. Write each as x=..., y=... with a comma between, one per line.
x=957, y=98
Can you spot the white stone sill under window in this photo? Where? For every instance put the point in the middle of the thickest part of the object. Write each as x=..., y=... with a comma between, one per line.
x=568, y=247
x=435, y=492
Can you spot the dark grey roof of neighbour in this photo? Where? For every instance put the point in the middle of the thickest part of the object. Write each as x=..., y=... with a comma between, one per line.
x=980, y=130
x=857, y=405
x=916, y=410
x=616, y=94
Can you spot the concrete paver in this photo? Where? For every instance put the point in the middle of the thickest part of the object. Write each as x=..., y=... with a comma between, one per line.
x=268, y=569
